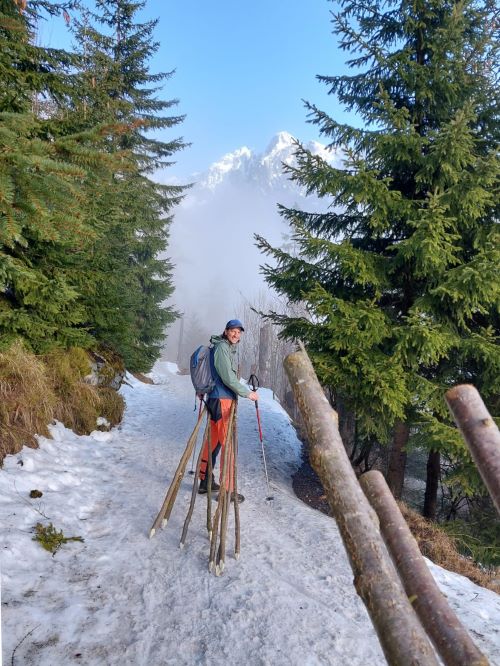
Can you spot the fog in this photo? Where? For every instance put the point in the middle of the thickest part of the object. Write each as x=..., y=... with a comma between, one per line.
x=217, y=265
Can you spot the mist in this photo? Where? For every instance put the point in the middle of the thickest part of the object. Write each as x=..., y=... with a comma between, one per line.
x=217, y=265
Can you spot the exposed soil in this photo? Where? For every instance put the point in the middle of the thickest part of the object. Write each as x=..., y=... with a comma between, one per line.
x=307, y=486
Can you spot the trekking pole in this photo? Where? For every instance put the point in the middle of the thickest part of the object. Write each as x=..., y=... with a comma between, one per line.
x=254, y=383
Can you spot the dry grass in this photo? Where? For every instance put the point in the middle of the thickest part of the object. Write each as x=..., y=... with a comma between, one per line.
x=78, y=403
x=26, y=406
x=111, y=405
x=36, y=390
x=441, y=548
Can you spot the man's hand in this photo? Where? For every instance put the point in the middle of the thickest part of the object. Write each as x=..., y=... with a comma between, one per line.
x=253, y=395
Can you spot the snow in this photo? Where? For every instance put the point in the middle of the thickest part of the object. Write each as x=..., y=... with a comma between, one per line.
x=121, y=598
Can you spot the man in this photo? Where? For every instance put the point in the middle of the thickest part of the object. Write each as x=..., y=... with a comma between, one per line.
x=220, y=400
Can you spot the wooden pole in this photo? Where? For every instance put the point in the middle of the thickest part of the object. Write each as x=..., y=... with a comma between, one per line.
x=237, y=544
x=226, y=496
x=401, y=636
x=210, y=472
x=452, y=641
x=222, y=492
x=480, y=433
x=221, y=553
x=194, y=492
x=166, y=508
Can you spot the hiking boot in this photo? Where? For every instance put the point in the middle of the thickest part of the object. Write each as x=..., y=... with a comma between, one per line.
x=204, y=483
x=240, y=498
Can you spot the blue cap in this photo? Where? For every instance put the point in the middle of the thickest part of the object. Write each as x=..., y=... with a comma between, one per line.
x=234, y=323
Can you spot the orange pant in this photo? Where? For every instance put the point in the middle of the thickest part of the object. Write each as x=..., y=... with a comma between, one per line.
x=218, y=433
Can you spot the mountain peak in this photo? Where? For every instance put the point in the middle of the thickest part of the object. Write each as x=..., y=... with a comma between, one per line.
x=280, y=141
x=264, y=170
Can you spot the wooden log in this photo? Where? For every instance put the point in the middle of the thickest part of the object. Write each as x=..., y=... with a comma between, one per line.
x=480, y=433
x=166, y=508
x=451, y=639
x=401, y=636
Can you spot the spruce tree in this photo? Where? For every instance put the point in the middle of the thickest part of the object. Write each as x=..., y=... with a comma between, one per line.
x=400, y=274
x=42, y=224
x=125, y=298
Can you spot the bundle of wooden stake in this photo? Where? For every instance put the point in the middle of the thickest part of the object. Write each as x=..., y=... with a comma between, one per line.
x=216, y=524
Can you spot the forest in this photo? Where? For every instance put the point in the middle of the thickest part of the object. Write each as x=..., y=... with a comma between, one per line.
x=393, y=289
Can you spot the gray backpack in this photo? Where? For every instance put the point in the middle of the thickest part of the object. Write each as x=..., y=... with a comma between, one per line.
x=200, y=367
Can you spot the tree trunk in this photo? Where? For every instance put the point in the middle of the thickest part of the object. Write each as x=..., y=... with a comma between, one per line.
x=180, y=346
x=450, y=638
x=347, y=425
x=401, y=636
x=397, y=459
x=265, y=353
x=480, y=433
x=432, y=484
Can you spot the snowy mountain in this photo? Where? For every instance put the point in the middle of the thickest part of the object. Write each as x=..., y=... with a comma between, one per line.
x=261, y=170
x=118, y=598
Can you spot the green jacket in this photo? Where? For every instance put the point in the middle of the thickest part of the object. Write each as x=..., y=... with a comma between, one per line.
x=226, y=367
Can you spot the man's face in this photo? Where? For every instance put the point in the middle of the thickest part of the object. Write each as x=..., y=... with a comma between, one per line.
x=233, y=335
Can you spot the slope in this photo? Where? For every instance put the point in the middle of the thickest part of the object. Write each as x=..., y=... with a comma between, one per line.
x=120, y=598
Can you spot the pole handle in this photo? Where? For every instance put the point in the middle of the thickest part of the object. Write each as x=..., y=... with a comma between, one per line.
x=254, y=382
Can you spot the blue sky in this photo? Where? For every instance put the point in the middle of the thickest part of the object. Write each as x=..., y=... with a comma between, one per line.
x=242, y=70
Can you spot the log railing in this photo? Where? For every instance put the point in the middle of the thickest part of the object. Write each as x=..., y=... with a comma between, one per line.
x=392, y=596
x=401, y=636
x=481, y=435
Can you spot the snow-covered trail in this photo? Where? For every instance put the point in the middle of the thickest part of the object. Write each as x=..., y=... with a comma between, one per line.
x=121, y=598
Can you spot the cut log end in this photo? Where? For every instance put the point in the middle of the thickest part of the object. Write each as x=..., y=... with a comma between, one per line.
x=236, y=556
x=181, y=545
x=164, y=522
x=152, y=532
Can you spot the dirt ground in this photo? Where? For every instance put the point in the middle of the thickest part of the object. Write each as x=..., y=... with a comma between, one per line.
x=307, y=486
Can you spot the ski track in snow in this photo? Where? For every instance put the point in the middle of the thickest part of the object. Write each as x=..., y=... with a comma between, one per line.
x=120, y=598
